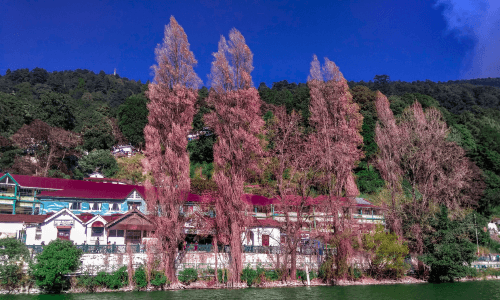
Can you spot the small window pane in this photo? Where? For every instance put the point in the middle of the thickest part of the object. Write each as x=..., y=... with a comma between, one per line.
x=112, y=233
x=120, y=233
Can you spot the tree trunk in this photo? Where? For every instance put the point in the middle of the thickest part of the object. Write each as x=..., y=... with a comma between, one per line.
x=293, y=261
x=236, y=262
x=170, y=254
x=216, y=251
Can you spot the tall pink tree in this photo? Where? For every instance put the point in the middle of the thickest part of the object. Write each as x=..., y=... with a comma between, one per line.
x=336, y=142
x=237, y=124
x=388, y=137
x=172, y=97
x=295, y=171
x=415, y=149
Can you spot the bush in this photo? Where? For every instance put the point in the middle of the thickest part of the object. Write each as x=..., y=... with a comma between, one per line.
x=219, y=275
x=313, y=274
x=188, y=275
x=140, y=278
x=58, y=259
x=387, y=253
x=272, y=275
x=118, y=278
x=249, y=275
x=11, y=276
x=12, y=251
x=355, y=273
x=158, y=279
x=301, y=275
x=88, y=282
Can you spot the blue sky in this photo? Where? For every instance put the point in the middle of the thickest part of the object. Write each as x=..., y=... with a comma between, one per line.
x=407, y=40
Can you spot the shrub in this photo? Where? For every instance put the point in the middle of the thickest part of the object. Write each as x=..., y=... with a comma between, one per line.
x=88, y=282
x=11, y=276
x=313, y=274
x=158, y=279
x=118, y=279
x=301, y=275
x=355, y=273
x=249, y=275
x=140, y=278
x=188, y=275
x=387, y=253
x=58, y=259
x=219, y=275
x=272, y=275
x=12, y=251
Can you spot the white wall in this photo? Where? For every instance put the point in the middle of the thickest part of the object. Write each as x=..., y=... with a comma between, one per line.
x=274, y=236
x=11, y=227
x=49, y=231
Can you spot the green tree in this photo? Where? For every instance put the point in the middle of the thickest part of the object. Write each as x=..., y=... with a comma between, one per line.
x=98, y=160
x=449, y=249
x=55, y=109
x=133, y=117
x=13, y=249
x=58, y=259
x=13, y=254
x=99, y=136
x=387, y=253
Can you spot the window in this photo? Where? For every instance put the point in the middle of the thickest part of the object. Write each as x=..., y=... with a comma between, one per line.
x=116, y=233
x=38, y=235
x=63, y=234
x=133, y=237
x=95, y=206
x=265, y=240
x=97, y=231
x=75, y=205
x=114, y=207
x=133, y=205
x=360, y=211
x=25, y=192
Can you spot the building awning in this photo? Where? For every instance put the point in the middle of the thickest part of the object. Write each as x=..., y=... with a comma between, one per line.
x=97, y=224
x=63, y=227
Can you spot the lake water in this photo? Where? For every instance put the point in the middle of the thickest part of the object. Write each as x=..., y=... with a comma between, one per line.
x=454, y=291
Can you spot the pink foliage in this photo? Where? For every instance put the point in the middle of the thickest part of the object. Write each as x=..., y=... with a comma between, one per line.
x=171, y=111
x=337, y=122
x=415, y=148
x=237, y=124
x=175, y=62
x=336, y=144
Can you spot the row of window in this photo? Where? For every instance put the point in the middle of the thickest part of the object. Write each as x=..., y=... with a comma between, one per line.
x=98, y=206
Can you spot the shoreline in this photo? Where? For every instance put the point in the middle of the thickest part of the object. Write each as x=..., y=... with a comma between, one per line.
x=207, y=285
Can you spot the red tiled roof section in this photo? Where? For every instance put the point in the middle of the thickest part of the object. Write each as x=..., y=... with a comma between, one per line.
x=4, y=218
x=78, y=188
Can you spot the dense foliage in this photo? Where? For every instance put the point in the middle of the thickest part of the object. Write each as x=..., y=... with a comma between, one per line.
x=13, y=254
x=58, y=259
x=386, y=252
x=449, y=249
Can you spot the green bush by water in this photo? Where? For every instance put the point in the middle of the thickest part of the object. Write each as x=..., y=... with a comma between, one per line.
x=140, y=278
x=188, y=275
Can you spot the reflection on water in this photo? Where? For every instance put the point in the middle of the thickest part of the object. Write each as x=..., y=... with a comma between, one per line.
x=454, y=291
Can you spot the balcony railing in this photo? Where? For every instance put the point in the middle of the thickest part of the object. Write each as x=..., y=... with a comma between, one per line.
x=207, y=248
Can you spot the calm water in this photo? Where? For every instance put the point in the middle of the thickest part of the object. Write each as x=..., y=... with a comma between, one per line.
x=454, y=291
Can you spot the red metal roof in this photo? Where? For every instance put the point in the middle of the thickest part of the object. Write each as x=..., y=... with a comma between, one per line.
x=67, y=188
x=20, y=218
x=98, y=190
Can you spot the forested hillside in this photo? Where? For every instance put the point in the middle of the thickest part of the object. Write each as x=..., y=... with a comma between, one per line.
x=102, y=110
